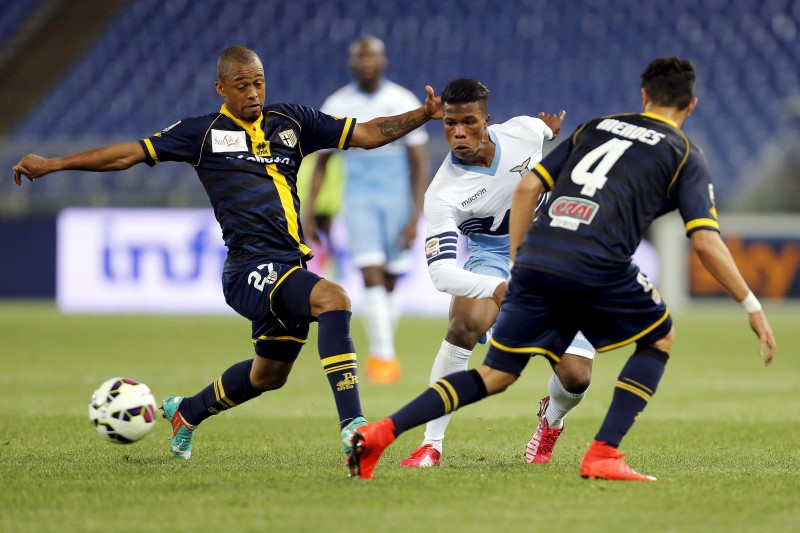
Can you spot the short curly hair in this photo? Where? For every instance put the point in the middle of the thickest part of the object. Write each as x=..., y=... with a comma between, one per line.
x=466, y=91
x=669, y=82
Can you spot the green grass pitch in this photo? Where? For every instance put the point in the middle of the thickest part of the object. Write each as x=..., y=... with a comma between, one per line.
x=722, y=435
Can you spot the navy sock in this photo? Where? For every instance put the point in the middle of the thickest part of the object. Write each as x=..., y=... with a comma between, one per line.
x=231, y=389
x=445, y=396
x=635, y=386
x=338, y=357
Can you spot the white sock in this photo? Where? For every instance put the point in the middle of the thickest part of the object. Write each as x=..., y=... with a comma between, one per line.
x=378, y=322
x=450, y=359
x=395, y=309
x=561, y=402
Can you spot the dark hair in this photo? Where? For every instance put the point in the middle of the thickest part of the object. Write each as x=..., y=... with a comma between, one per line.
x=669, y=82
x=466, y=91
x=236, y=54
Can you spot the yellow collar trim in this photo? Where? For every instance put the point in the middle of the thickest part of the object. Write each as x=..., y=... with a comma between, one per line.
x=242, y=123
x=656, y=117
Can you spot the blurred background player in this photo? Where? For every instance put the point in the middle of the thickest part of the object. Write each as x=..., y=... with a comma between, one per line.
x=573, y=270
x=382, y=200
x=471, y=195
x=246, y=156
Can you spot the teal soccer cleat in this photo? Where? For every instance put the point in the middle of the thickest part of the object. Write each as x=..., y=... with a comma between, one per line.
x=349, y=429
x=182, y=432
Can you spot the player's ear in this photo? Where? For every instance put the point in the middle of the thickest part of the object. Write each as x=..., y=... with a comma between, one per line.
x=645, y=98
x=691, y=106
x=220, y=89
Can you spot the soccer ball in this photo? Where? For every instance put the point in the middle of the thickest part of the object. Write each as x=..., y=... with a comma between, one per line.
x=122, y=410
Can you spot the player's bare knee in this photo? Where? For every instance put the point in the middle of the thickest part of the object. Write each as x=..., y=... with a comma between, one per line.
x=374, y=276
x=463, y=331
x=328, y=296
x=665, y=343
x=576, y=382
x=574, y=372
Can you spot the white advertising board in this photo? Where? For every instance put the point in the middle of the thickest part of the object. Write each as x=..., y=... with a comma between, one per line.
x=170, y=261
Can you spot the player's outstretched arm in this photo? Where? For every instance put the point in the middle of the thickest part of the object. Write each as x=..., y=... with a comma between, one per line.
x=383, y=130
x=106, y=158
x=717, y=259
x=523, y=209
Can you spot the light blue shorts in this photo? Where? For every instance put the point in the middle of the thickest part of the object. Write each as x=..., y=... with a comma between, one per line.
x=374, y=227
x=491, y=264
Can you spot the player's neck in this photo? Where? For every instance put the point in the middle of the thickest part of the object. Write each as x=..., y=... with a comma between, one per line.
x=678, y=116
x=369, y=86
x=483, y=156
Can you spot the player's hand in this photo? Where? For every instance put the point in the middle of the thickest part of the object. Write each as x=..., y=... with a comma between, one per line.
x=433, y=104
x=409, y=234
x=766, y=339
x=310, y=229
x=31, y=166
x=553, y=122
x=499, y=293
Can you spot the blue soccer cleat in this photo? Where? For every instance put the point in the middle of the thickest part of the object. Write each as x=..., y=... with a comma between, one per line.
x=182, y=431
x=349, y=430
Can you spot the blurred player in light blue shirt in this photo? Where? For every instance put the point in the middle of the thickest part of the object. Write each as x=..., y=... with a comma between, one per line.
x=382, y=200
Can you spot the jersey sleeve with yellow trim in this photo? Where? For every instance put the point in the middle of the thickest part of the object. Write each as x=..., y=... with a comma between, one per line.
x=318, y=130
x=548, y=170
x=694, y=193
x=183, y=141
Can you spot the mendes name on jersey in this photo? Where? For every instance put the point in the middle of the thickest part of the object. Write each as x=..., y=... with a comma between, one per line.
x=476, y=201
x=608, y=183
x=249, y=171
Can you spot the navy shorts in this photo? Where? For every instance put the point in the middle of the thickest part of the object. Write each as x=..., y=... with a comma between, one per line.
x=542, y=313
x=275, y=297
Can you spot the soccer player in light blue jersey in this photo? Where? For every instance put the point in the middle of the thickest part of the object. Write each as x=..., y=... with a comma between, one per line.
x=382, y=198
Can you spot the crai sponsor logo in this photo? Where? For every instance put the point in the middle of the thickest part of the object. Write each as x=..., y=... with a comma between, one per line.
x=569, y=212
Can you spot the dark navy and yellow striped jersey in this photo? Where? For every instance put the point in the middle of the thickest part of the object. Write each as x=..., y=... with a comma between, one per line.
x=608, y=183
x=249, y=171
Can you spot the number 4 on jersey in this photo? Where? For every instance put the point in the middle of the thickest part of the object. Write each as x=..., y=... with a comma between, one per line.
x=602, y=158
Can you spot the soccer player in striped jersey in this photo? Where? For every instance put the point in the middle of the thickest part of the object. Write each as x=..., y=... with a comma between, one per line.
x=471, y=195
x=573, y=268
x=246, y=157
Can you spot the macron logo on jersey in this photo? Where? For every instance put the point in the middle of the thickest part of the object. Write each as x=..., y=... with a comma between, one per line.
x=228, y=141
x=474, y=197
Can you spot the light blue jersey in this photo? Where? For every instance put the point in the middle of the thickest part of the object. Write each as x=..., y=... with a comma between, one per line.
x=377, y=199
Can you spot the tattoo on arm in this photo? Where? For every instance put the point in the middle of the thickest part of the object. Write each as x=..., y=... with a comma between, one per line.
x=398, y=126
